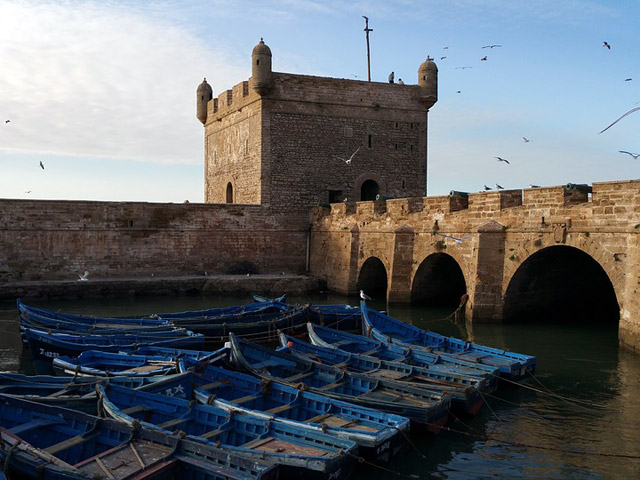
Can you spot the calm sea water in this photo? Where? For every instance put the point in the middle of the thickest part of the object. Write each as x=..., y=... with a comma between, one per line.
x=578, y=419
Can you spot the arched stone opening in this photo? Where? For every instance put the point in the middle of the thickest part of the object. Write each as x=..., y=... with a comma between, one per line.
x=369, y=190
x=561, y=284
x=373, y=278
x=229, y=193
x=438, y=282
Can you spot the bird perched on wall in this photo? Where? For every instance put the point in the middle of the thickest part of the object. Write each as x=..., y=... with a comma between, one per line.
x=605, y=44
x=41, y=165
x=499, y=187
x=487, y=188
x=364, y=296
x=348, y=160
x=84, y=277
x=634, y=155
x=400, y=82
x=391, y=77
x=500, y=159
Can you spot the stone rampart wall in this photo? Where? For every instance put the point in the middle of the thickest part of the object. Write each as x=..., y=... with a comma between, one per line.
x=41, y=240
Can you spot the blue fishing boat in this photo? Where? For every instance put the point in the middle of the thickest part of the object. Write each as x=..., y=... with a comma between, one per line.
x=78, y=393
x=300, y=453
x=45, y=442
x=178, y=353
x=45, y=346
x=96, y=363
x=380, y=436
x=423, y=408
x=464, y=391
x=352, y=343
x=514, y=366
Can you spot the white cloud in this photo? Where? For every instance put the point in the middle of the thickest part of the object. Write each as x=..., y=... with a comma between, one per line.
x=97, y=79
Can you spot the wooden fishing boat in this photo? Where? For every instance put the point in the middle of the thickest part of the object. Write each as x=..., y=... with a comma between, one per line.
x=465, y=392
x=514, y=366
x=96, y=363
x=46, y=442
x=423, y=408
x=300, y=453
x=380, y=436
x=78, y=393
x=45, y=346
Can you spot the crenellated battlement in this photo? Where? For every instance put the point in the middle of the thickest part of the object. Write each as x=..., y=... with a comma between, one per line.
x=230, y=101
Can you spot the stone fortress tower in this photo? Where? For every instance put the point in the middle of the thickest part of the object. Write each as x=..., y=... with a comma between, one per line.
x=281, y=140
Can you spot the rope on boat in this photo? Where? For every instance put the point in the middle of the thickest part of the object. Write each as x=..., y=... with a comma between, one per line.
x=485, y=437
x=411, y=444
x=547, y=391
x=385, y=469
x=488, y=406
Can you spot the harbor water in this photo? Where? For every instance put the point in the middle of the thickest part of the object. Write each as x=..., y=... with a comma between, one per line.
x=578, y=418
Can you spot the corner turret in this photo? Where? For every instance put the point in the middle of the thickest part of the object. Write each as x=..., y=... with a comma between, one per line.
x=261, y=68
x=428, y=82
x=203, y=95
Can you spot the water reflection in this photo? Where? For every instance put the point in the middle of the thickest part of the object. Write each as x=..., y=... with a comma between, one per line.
x=585, y=397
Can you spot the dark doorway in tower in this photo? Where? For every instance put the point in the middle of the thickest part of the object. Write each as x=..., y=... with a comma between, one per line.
x=373, y=278
x=229, y=193
x=335, y=196
x=439, y=282
x=561, y=284
x=369, y=190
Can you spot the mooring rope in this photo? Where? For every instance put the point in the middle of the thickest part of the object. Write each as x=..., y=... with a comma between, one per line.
x=380, y=467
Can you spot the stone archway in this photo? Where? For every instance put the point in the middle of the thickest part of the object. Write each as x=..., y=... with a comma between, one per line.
x=373, y=278
x=561, y=284
x=369, y=190
x=438, y=282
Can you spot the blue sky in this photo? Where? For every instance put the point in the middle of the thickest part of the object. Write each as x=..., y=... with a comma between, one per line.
x=103, y=93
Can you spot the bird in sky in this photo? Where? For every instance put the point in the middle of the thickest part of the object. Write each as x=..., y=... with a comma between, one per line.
x=442, y=58
x=531, y=185
x=462, y=68
x=483, y=59
x=628, y=79
x=499, y=187
x=41, y=165
x=500, y=159
x=27, y=191
x=491, y=46
x=84, y=277
x=364, y=296
x=7, y=121
x=445, y=48
x=634, y=155
x=487, y=188
x=455, y=239
x=348, y=160
x=459, y=91
x=624, y=115
x=605, y=44
x=526, y=140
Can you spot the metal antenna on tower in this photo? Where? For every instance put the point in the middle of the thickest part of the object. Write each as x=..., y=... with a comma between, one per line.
x=367, y=30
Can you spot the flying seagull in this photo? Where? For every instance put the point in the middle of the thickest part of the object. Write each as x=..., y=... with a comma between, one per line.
x=7, y=121
x=634, y=155
x=445, y=48
x=463, y=67
x=627, y=113
x=526, y=140
x=628, y=79
x=499, y=187
x=605, y=44
x=455, y=239
x=491, y=46
x=487, y=188
x=364, y=296
x=500, y=159
x=84, y=277
x=483, y=59
x=41, y=165
x=348, y=160
x=442, y=58
x=27, y=191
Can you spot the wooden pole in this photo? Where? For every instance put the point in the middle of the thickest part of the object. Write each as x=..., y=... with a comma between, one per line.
x=367, y=30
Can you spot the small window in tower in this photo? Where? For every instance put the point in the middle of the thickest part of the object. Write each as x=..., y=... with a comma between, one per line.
x=369, y=142
x=258, y=61
x=246, y=147
x=395, y=145
x=130, y=223
x=411, y=147
x=403, y=184
x=229, y=193
x=396, y=125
